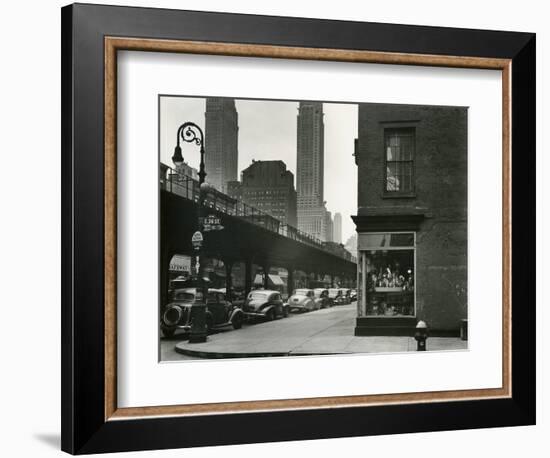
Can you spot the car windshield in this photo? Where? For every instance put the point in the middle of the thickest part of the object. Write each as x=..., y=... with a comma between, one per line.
x=301, y=292
x=257, y=295
x=175, y=284
x=184, y=296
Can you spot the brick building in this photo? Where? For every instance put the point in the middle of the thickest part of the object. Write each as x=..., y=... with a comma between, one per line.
x=269, y=187
x=411, y=219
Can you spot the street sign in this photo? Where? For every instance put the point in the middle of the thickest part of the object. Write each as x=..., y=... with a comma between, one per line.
x=212, y=220
x=197, y=240
x=212, y=223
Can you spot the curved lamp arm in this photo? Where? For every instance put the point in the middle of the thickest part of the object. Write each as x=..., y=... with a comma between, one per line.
x=191, y=133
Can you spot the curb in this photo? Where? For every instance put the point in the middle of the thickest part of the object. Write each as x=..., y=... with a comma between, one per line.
x=219, y=355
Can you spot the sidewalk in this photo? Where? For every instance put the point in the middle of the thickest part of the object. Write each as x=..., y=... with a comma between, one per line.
x=326, y=331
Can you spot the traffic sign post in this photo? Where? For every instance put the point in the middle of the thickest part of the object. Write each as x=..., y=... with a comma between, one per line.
x=197, y=240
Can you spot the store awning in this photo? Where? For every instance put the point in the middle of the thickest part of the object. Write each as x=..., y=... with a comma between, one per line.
x=180, y=263
x=274, y=280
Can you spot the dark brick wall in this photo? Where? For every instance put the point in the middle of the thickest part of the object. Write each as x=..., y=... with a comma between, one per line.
x=440, y=194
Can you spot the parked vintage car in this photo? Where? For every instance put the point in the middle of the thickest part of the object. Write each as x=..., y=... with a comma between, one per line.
x=337, y=296
x=237, y=297
x=265, y=303
x=321, y=298
x=346, y=293
x=302, y=300
x=178, y=314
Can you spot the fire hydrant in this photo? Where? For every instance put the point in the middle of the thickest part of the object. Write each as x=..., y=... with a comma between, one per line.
x=420, y=335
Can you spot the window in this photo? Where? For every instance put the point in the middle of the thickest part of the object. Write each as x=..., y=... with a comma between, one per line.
x=387, y=274
x=399, y=146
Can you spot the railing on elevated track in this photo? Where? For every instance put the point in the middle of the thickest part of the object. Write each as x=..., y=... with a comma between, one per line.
x=188, y=188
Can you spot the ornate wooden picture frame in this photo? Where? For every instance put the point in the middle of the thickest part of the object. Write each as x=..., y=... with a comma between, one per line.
x=92, y=35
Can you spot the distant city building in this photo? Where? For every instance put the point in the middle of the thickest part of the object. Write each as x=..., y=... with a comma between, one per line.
x=314, y=221
x=337, y=236
x=269, y=187
x=185, y=169
x=351, y=244
x=221, y=142
x=340, y=250
x=312, y=214
x=182, y=181
x=329, y=235
x=235, y=190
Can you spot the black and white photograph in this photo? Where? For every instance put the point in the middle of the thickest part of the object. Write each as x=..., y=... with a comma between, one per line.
x=308, y=227
x=261, y=229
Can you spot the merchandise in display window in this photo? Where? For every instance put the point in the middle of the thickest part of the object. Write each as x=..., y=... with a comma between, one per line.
x=387, y=274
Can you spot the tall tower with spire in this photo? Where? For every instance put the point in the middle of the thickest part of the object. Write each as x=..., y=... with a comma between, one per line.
x=310, y=154
x=221, y=141
x=310, y=149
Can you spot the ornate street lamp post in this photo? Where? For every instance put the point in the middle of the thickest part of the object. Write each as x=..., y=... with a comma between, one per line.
x=191, y=133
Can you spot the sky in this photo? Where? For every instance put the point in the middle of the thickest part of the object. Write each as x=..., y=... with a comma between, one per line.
x=267, y=131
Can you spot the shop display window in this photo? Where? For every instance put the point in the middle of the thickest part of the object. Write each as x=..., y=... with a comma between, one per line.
x=387, y=274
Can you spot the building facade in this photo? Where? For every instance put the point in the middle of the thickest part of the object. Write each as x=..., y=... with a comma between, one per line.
x=315, y=222
x=310, y=153
x=235, y=190
x=185, y=170
x=340, y=250
x=269, y=187
x=221, y=142
x=329, y=235
x=337, y=224
x=411, y=219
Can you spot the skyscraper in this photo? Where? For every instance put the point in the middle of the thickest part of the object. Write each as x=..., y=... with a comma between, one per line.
x=312, y=214
x=337, y=228
x=221, y=142
x=310, y=155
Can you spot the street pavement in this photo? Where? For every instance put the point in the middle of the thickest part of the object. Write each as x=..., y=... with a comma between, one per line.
x=326, y=331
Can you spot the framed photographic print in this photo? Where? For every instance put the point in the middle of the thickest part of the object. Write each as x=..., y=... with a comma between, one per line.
x=271, y=222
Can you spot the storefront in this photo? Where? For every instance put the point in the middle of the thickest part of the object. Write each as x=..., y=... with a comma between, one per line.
x=412, y=219
x=388, y=293
x=386, y=274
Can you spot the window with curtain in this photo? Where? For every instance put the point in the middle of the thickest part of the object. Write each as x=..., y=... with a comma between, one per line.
x=399, y=156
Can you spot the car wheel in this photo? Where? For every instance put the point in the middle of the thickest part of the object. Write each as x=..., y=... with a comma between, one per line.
x=237, y=321
x=270, y=315
x=168, y=332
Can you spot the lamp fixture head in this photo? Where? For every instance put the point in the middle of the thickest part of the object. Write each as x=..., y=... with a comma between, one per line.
x=177, y=158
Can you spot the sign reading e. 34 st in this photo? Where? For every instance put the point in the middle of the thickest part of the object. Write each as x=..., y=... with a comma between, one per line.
x=212, y=223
